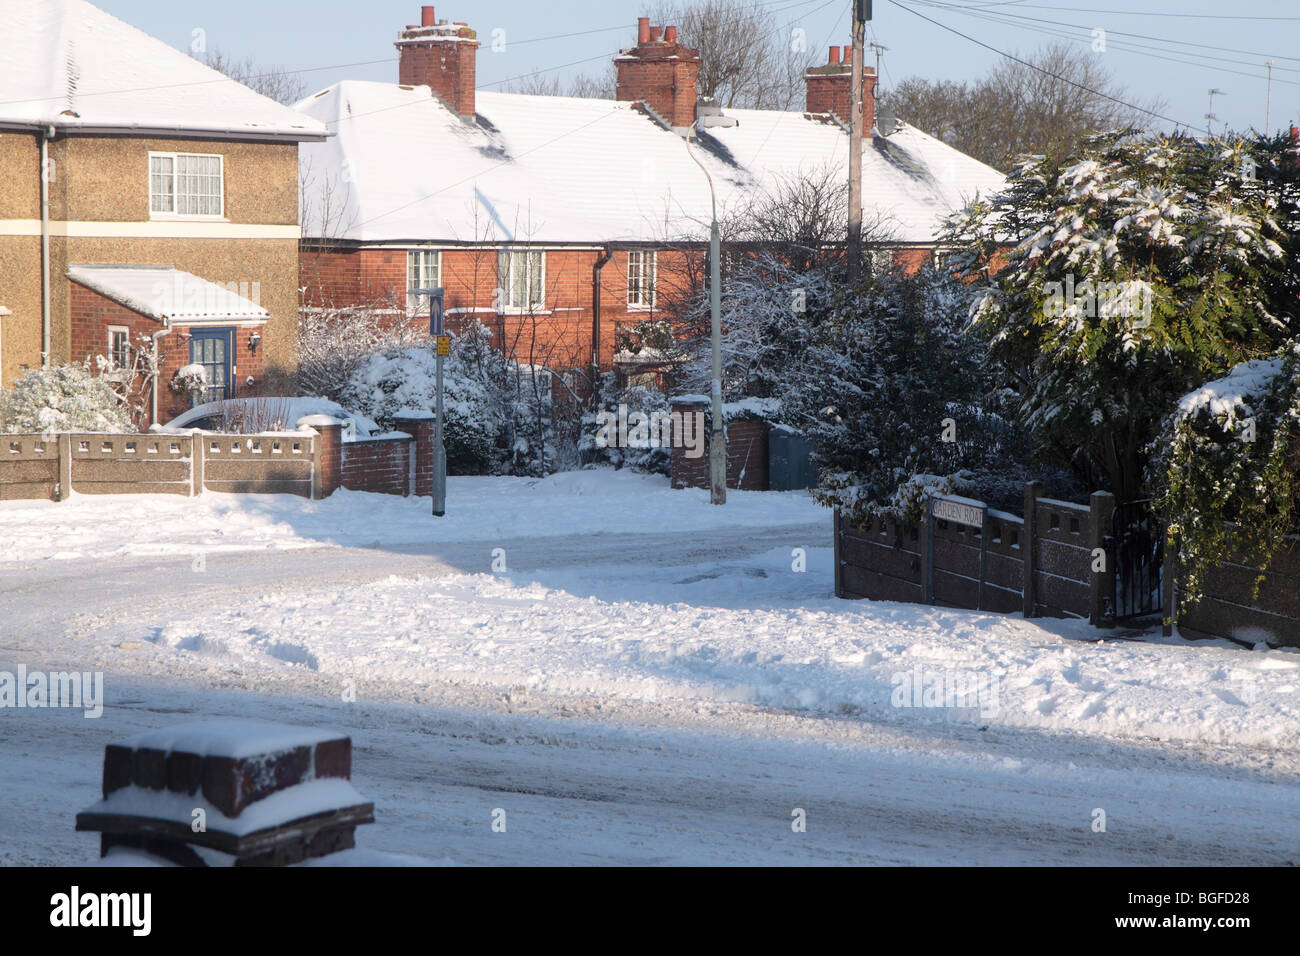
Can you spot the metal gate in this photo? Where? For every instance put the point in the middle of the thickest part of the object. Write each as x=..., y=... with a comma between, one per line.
x=1139, y=542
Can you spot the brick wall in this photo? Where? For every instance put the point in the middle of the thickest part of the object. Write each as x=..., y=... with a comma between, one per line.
x=377, y=465
x=661, y=73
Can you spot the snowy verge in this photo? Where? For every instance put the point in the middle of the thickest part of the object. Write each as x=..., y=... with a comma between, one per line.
x=598, y=501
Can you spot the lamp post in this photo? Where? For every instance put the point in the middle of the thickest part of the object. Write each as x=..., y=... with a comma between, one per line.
x=441, y=348
x=717, y=438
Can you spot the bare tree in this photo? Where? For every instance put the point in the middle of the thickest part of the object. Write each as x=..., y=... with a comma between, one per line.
x=587, y=86
x=275, y=82
x=1042, y=109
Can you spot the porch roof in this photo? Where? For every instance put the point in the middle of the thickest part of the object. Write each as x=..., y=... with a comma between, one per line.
x=164, y=292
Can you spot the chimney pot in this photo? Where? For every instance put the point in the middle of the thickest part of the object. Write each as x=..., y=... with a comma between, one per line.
x=642, y=30
x=656, y=34
x=670, y=34
x=427, y=18
x=835, y=55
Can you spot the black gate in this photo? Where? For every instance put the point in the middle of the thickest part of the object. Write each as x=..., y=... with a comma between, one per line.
x=1139, y=560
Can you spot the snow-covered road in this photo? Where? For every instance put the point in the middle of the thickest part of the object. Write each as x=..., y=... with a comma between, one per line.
x=662, y=690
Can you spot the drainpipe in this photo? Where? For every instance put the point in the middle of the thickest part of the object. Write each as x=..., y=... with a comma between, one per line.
x=153, y=397
x=45, y=136
x=601, y=262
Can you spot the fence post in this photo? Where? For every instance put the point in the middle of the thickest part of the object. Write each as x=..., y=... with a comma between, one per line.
x=837, y=525
x=1101, y=583
x=1169, y=596
x=196, y=465
x=65, y=466
x=1033, y=489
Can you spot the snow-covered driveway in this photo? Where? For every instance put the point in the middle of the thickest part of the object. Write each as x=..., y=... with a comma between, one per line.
x=641, y=678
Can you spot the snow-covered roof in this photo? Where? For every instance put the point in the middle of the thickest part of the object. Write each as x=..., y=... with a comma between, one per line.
x=68, y=64
x=562, y=169
x=162, y=292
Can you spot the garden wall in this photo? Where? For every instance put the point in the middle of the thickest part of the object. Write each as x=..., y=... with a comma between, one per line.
x=312, y=462
x=1229, y=610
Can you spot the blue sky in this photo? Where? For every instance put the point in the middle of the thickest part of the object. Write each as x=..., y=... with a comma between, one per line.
x=342, y=36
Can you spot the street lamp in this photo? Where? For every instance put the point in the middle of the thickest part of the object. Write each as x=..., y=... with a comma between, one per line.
x=442, y=347
x=717, y=439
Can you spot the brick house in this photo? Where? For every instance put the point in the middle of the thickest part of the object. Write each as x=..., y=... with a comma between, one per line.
x=146, y=202
x=557, y=221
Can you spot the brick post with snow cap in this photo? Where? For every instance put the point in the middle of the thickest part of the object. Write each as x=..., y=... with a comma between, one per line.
x=329, y=453
x=423, y=429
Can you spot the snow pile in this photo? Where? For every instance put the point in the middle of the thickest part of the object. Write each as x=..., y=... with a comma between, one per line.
x=1230, y=397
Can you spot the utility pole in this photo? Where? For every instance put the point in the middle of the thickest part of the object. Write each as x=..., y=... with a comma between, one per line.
x=1210, y=117
x=1268, y=97
x=861, y=14
x=717, y=436
x=442, y=348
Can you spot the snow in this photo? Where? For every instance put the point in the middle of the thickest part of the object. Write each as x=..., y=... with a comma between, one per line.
x=478, y=509
x=236, y=738
x=292, y=803
x=163, y=292
x=299, y=412
x=1226, y=396
x=536, y=168
x=69, y=64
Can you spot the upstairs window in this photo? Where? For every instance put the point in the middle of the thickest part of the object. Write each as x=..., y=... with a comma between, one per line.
x=186, y=184
x=641, y=268
x=119, y=347
x=521, y=274
x=423, y=271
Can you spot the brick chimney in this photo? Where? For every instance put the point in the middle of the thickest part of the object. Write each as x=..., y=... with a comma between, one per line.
x=830, y=88
x=442, y=57
x=661, y=73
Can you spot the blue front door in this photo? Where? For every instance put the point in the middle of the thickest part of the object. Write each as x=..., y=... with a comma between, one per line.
x=214, y=350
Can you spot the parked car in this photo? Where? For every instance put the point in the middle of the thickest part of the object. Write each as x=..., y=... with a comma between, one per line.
x=267, y=413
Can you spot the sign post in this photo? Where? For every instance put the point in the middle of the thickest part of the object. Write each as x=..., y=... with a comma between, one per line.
x=442, y=348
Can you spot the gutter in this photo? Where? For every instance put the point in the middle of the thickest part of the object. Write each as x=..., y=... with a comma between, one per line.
x=45, y=134
x=174, y=132
x=601, y=262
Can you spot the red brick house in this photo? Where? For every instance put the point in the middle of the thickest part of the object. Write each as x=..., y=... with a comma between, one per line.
x=555, y=220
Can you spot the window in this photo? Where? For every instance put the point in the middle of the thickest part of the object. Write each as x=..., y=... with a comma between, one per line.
x=423, y=271
x=185, y=184
x=641, y=268
x=119, y=347
x=521, y=274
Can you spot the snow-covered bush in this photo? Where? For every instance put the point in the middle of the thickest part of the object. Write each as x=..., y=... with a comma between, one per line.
x=643, y=399
x=1227, y=467
x=333, y=343
x=189, y=380
x=497, y=413
x=62, y=398
x=1137, y=269
x=893, y=391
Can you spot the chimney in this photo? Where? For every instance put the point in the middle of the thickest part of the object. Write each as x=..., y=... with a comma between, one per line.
x=661, y=73
x=442, y=57
x=829, y=88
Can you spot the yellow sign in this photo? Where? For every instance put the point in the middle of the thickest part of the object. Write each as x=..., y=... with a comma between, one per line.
x=444, y=344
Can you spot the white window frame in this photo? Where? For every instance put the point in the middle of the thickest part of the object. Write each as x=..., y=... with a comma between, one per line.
x=638, y=304
x=112, y=361
x=417, y=304
x=175, y=194
x=505, y=264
